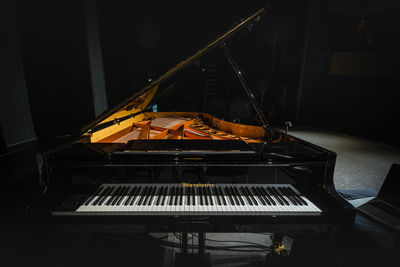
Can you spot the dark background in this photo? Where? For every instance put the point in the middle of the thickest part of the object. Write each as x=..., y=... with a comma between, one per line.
x=286, y=60
x=47, y=88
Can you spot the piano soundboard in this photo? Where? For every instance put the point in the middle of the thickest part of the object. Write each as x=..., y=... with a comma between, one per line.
x=209, y=200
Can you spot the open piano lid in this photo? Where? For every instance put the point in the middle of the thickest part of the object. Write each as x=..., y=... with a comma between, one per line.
x=138, y=103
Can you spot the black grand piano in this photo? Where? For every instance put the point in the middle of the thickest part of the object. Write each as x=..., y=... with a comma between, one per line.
x=133, y=169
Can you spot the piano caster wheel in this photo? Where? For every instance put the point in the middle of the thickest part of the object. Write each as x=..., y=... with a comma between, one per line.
x=279, y=254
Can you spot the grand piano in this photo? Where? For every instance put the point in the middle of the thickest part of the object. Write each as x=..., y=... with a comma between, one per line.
x=135, y=169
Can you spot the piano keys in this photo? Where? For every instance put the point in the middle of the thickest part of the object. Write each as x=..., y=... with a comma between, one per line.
x=216, y=200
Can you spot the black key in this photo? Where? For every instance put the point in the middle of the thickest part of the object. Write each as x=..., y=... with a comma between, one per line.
x=193, y=196
x=156, y=194
x=100, y=196
x=187, y=194
x=287, y=195
x=165, y=194
x=221, y=194
x=143, y=195
x=272, y=193
x=136, y=195
x=245, y=194
x=281, y=196
x=123, y=193
x=267, y=195
x=233, y=194
x=130, y=195
x=294, y=196
x=109, y=192
x=205, y=194
x=147, y=197
x=228, y=195
x=251, y=196
x=210, y=194
x=168, y=195
x=260, y=193
x=113, y=196
x=126, y=193
x=257, y=194
x=180, y=196
x=176, y=200
x=105, y=195
x=159, y=195
x=238, y=195
x=297, y=196
x=97, y=200
x=96, y=193
x=117, y=196
x=171, y=194
x=198, y=190
x=152, y=194
x=277, y=196
x=140, y=195
x=175, y=196
x=215, y=191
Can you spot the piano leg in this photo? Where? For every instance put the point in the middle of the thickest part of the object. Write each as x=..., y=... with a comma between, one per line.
x=280, y=250
x=277, y=246
x=202, y=245
x=184, y=244
x=201, y=259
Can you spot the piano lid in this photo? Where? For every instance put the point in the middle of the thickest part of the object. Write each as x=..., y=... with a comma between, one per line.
x=138, y=103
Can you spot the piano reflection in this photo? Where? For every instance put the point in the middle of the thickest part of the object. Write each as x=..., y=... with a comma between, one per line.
x=132, y=168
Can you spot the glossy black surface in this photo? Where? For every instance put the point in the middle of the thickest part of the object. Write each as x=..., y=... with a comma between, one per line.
x=74, y=172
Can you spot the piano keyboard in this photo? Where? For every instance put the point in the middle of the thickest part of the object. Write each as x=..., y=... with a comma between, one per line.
x=219, y=199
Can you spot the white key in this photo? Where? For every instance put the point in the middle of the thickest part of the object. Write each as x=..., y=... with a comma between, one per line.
x=212, y=208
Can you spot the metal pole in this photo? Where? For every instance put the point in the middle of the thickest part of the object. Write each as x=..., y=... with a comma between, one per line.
x=184, y=248
x=202, y=244
x=95, y=58
x=304, y=57
x=246, y=88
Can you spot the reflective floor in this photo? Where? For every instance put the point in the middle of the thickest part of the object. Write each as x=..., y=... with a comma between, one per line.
x=360, y=163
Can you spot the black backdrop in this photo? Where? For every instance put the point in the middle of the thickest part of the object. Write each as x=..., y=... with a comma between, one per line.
x=152, y=38
x=54, y=53
x=138, y=39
